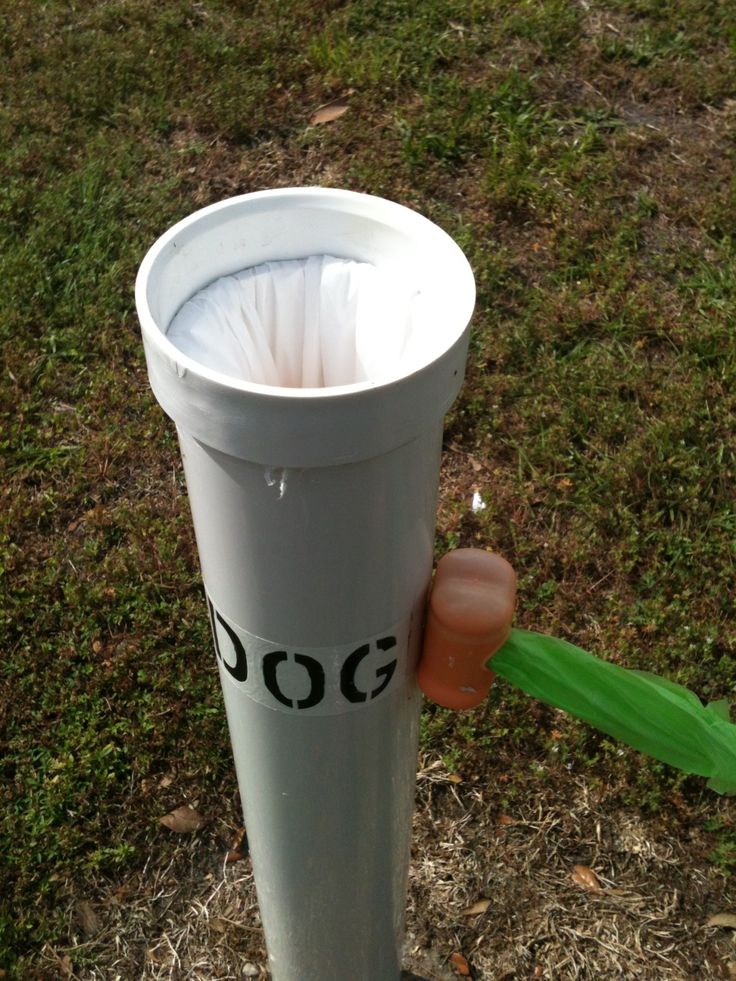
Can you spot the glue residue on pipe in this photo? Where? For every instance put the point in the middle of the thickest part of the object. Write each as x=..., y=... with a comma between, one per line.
x=277, y=476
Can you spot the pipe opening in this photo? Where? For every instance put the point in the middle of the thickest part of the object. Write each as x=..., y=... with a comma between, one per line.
x=316, y=322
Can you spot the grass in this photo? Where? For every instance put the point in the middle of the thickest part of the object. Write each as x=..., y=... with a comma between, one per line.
x=582, y=155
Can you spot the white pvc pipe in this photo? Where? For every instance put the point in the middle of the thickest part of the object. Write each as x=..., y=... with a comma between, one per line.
x=314, y=511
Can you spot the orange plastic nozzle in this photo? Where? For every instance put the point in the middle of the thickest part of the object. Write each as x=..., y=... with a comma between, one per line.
x=471, y=607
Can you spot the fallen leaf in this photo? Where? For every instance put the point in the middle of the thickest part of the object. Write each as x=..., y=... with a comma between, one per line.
x=329, y=112
x=586, y=878
x=88, y=919
x=480, y=907
x=183, y=820
x=723, y=920
x=460, y=964
x=122, y=893
x=454, y=778
x=238, y=847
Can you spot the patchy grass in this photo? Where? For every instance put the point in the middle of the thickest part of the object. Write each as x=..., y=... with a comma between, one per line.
x=582, y=155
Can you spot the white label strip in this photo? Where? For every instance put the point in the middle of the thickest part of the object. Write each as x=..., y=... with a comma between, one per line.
x=311, y=680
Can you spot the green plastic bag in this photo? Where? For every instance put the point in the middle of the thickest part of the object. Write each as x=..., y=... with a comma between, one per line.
x=651, y=714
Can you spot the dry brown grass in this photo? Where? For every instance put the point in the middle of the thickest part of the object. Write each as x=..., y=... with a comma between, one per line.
x=196, y=917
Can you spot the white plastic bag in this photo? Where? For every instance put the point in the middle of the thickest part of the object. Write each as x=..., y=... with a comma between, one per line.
x=303, y=323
